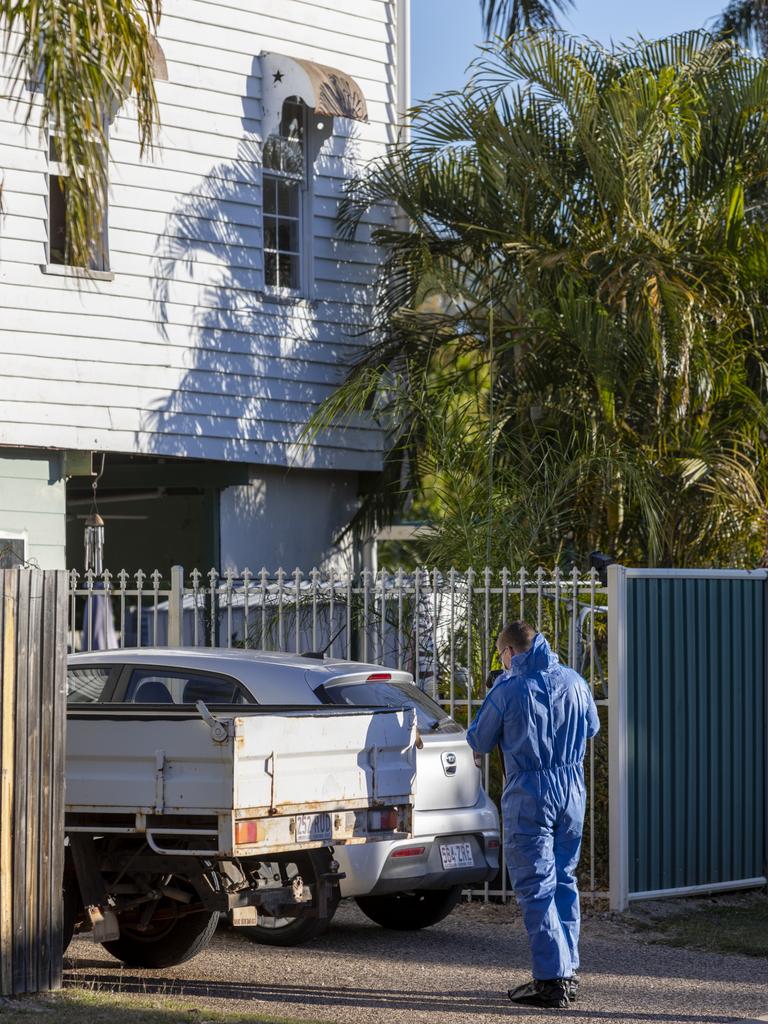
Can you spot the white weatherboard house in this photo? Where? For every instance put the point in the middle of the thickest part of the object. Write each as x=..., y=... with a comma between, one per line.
x=224, y=309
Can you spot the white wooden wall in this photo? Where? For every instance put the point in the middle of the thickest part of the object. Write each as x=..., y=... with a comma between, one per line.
x=181, y=353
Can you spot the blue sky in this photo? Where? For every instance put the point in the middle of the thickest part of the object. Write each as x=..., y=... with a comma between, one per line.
x=445, y=32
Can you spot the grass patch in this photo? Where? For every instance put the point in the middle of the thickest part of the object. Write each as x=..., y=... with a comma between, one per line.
x=88, y=1006
x=725, y=924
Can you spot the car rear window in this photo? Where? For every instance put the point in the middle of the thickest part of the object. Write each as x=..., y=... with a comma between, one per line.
x=430, y=717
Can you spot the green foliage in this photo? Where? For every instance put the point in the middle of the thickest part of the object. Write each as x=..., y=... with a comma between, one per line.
x=747, y=22
x=568, y=346
x=83, y=60
x=507, y=17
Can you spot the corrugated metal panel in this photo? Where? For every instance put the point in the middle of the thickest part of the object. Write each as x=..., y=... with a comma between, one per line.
x=696, y=731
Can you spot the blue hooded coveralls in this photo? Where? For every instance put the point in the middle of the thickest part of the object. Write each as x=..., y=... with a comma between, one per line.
x=541, y=713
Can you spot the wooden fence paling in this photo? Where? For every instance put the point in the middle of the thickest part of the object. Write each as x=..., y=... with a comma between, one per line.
x=33, y=621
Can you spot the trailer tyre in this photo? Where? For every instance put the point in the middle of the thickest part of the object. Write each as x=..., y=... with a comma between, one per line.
x=180, y=941
x=410, y=911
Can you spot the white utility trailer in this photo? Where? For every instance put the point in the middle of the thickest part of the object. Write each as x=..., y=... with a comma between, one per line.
x=177, y=813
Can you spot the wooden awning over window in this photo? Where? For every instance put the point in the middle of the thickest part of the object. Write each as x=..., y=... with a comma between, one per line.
x=328, y=91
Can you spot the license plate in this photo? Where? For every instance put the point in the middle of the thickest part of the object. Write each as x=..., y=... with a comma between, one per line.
x=456, y=855
x=313, y=828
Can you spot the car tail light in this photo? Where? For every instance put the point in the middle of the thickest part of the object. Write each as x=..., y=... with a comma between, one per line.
x=383, y=821
x=247, y=832
x=492, y=844
x=379, y=677
x=409, y=851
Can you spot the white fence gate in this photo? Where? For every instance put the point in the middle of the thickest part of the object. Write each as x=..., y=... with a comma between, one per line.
x=439, y=625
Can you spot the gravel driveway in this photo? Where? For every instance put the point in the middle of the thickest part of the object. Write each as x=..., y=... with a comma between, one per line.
x=455, y=972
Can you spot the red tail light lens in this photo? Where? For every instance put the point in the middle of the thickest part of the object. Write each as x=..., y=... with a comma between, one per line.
x=408, y=851
x=247, y=832
x=493, y=844
x=383, y=821
x=379, y=677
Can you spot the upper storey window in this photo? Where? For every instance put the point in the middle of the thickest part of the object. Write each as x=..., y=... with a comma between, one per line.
x=285, y=199
x=58, y=215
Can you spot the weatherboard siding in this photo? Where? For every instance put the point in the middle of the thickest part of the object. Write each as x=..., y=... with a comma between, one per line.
x=182, y=353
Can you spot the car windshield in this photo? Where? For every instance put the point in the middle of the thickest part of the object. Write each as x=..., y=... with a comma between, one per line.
x=430, y=717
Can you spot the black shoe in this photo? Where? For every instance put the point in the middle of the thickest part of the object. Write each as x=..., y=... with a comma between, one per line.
x=552, y=994
x=572, y=987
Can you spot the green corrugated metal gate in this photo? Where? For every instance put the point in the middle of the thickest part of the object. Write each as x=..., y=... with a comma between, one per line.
x=687, y=672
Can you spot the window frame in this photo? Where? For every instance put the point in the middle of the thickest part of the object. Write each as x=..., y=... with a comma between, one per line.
x=304, y=219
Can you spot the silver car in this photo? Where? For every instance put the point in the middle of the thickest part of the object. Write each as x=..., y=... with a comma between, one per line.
x=407, y=884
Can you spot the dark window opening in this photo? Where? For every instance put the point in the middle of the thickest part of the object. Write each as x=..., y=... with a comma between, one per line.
x=58, y=225
x=57, y=220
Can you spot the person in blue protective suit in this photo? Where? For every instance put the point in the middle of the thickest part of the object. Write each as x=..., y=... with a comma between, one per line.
x=541, y=714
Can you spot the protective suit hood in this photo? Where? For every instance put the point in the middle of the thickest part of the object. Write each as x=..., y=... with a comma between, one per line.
x=538, y=658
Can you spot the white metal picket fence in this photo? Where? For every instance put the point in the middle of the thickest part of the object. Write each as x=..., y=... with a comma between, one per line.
x=439, y=625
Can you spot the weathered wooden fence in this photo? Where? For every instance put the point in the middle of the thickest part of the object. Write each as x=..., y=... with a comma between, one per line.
x=33, y=647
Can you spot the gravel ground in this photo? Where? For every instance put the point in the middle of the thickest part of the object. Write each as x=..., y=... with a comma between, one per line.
x=456, y=972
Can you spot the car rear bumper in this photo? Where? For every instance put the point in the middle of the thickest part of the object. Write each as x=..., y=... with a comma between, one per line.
x=376, y=868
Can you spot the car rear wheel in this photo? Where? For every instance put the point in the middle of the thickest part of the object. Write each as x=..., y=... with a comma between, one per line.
x=409, y=911
x=292, y=931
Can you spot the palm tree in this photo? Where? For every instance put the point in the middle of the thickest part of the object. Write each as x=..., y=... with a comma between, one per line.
x=83, y=60
x=581, y=287
x=747, y=22
x=509, y=17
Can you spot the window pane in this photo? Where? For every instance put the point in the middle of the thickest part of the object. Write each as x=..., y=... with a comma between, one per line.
x=271, y=157
x=430, y=716
x=292, y=121
x=288, y=272
x=155, y=686
x=86, y=685
x=284, y=155
x=288, y=198
x=54, y=148
x=57, y=220
x=270, y=186
x=288, y=235
x=270, y=233
x=270, y=269
x=12, y=552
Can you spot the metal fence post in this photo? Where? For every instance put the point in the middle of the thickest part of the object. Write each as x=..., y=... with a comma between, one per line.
x=618, y=802
x=176, y=608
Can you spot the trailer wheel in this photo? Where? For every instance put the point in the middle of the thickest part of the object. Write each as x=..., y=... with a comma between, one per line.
x=410, y=911
x=167, y=940
x=292, y=931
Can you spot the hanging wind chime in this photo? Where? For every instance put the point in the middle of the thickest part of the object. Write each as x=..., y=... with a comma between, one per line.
x=94, y=531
